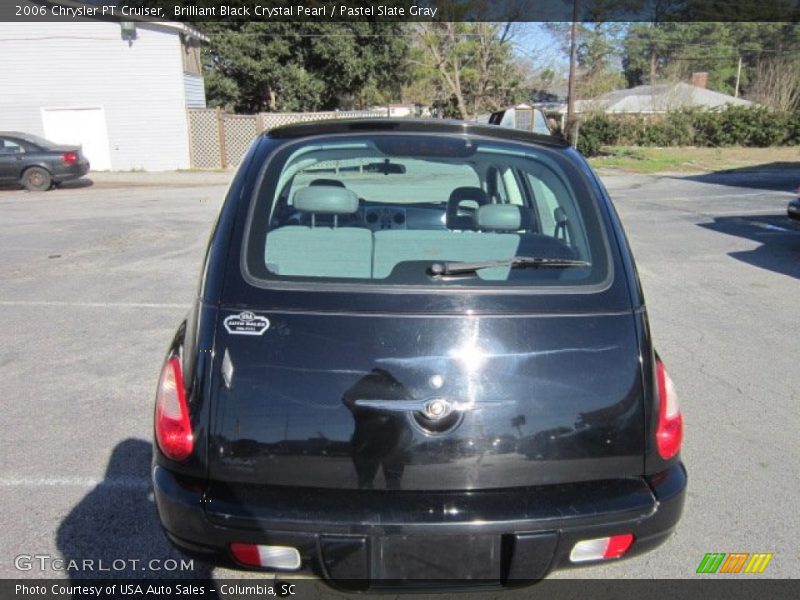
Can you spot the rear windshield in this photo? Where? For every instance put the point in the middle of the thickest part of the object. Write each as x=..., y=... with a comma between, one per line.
x=39, y=141
x=417, y=210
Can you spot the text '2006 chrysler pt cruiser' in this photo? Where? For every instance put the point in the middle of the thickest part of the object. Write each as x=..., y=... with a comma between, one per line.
x=419, y=357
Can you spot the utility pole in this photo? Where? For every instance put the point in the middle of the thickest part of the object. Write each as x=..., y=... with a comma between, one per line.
x=652, y=80
x=738, y=76
x=573, y=59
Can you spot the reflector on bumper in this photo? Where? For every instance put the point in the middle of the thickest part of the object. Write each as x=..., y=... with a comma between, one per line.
x=270, y=557
x=601, y=548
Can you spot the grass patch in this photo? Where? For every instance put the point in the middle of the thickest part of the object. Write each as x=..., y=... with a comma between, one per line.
x=692, y=159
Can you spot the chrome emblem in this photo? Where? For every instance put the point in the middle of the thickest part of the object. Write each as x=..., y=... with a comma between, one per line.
x=438, y=408
x=433, y=409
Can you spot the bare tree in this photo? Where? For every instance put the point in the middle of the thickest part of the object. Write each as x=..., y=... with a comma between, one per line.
x=776, y=82
x=494, y=69
x=470, y=62
x=440, y=43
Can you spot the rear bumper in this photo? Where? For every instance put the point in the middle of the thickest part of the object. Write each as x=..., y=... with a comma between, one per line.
x=68, y=172
x=519, y=535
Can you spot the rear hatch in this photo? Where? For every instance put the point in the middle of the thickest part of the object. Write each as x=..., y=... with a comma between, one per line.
x=357, y=365
x=425, y=402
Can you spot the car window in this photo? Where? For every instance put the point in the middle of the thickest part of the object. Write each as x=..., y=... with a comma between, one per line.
x=540, y=123
x=35, y=141
x=495, y=185
x=386, y=209
x=513, y=193
x=546, y=204
x=553, y=214
x=367, y=178
x=10, y=147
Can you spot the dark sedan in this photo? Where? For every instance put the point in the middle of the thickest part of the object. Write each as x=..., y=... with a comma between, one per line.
x=38, y=164
x=793, y=210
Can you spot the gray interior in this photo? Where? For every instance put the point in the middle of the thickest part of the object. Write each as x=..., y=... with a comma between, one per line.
x=356, y=252
x=503, y=217
x=394, y=247
x=303, y=251
x=326, y=200
x=498, y=232
x=321, y=251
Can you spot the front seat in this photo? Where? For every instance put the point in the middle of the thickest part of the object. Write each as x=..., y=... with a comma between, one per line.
x=520, y=222
x=453, y=220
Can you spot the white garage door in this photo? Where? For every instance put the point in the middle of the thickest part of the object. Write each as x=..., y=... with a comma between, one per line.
x=80, y=126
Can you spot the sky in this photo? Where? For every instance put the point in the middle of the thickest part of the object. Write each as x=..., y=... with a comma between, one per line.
x=535, y=42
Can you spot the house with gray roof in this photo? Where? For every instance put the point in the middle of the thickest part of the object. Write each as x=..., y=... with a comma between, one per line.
x=660, y=98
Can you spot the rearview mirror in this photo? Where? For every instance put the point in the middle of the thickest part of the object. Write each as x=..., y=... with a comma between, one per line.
x=386, y=167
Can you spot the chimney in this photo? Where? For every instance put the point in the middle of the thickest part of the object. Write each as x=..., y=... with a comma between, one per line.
x=700, y=79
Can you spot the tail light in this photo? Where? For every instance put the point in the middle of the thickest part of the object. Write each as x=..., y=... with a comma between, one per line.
x=173, y=428
x=69, y=158
x=669, y=433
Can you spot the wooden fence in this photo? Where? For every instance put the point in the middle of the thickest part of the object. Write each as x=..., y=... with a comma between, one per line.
x=218, y=140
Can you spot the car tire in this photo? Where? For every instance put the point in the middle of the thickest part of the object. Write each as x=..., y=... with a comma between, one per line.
x=37, y=179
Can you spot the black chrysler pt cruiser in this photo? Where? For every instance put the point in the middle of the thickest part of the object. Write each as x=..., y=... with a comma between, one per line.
x=419, y=357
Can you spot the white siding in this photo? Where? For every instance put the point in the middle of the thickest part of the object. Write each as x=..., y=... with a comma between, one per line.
x=195, y=91
x=87, y=64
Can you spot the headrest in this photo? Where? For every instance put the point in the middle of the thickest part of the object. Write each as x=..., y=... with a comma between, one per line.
x=503, y=217
x=461, y=194
x=326, y=200
x=324, y=182
x=469, y=193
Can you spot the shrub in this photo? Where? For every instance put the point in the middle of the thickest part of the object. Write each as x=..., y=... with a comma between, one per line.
x=793, y=129
x=595, y=132
x=679, y=127
x=732, y=126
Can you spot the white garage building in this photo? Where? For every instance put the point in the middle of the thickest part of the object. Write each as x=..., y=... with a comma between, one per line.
x=119, y=89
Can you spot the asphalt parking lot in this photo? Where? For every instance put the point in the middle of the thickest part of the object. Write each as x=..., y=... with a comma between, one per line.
x=94, y=279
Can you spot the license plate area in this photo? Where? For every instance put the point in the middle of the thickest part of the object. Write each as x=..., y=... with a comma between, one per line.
x=441, y=557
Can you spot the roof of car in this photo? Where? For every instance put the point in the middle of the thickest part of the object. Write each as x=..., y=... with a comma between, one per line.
x=332, y=126
x=28, y=137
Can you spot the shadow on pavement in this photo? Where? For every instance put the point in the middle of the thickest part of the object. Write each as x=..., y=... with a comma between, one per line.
x=75, y=184
x=117, y=521
x=778, y=235
x=774, y=176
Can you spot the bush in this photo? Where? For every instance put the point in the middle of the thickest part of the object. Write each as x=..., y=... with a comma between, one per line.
x=793, y=129
x=679, y=127
x=732, y=126
x=595, y=132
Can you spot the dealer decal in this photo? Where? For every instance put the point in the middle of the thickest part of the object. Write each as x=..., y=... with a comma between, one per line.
x=246, y=323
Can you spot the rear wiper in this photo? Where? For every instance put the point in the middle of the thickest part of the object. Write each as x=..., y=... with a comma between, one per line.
x=518, y=262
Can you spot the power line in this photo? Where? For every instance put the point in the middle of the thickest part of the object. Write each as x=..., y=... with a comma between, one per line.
x=733, y=56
